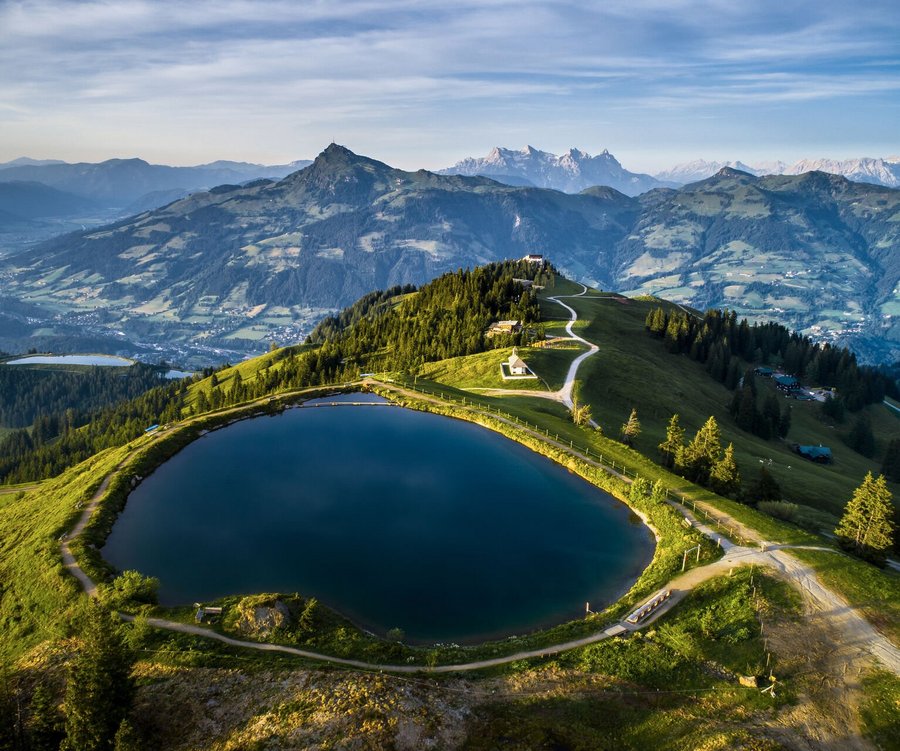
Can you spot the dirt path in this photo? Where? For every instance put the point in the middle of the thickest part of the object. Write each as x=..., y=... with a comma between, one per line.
x=853, y=628
x=564, y=395
x=19, y=489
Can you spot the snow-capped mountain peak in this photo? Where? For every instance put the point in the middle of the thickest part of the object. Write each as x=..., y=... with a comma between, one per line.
x=866, y=170
x=570, y=172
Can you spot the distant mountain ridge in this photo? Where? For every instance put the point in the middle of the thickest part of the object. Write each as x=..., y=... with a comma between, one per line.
x=226, y=270
x=880, y=171
x=117, y=183
x=571, y=172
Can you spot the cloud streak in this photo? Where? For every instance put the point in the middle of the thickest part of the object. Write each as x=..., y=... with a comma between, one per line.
x=425, y=80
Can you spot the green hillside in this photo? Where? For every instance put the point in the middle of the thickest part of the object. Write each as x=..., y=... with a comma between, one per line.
x=681, y=682
x=634, y=370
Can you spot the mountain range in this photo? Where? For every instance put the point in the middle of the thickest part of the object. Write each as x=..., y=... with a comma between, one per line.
x=118, y=183
x=577, y=170
x=40, y=198
x=876, y=171
x=572, y=172
x=222, y=272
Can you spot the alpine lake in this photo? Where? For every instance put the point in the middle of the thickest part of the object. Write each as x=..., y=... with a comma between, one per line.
x=392, y=517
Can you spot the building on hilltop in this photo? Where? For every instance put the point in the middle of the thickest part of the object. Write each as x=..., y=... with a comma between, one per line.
x=504, y=327
x=517, y=365
x=534, y=258
x=515, y=368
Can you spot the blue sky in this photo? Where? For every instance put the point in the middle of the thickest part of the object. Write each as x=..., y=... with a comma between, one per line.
x=423, y=84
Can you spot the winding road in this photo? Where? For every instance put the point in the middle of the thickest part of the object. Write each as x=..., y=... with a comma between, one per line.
x=855, y=630
x=564, y=394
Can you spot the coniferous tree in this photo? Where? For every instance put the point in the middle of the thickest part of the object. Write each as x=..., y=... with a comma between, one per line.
x=309, y=616
x=631, y=429
x=766, y=487
x=674, y=442
x=771, y=416
x=12, y=731
x=860, y=438
x=724, y=476
x=698, y=458
x=784, y=423
x=127, y=738
x=867, y=526
x=659, y=492
x=890, y=467
x=99, y=688
x=45, y=721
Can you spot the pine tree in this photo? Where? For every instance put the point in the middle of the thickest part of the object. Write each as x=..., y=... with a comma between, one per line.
x=766, y=487
x=698, y=458
x=581, y=413
x=724, y=477
x=631, y=429
x=784, y=424
x=309, y=617
x=99, y=688
x=890, y=467
x=867, y=525
x=45, y=722
x=860, y=438
x=674, y=442
x=127, y=738
x=659, y=492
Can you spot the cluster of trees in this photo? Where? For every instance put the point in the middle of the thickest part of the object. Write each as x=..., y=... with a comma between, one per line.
x=890, y=467
x=97, y=701
x=766, y=422
x=28, y=456
x=448, y=317
x=47, y=398
x=721, y=342
x=702, y=460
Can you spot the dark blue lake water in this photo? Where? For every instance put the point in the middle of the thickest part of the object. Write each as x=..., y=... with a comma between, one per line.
x=392, y=517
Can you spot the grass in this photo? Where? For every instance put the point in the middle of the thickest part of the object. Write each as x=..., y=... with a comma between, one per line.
x=482, y=371
x=880, y=711
x=635, y=370
x=39, y=600
x=653, y=690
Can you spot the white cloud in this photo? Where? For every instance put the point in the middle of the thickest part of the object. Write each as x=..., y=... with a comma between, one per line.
x=159, y=73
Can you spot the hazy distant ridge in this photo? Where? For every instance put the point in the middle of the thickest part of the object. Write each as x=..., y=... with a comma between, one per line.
x=880, y=171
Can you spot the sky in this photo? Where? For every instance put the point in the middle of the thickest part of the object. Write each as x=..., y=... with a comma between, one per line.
x=426, y=83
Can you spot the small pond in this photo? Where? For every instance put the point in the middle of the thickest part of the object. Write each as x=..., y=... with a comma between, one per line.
x=101, y=360
x=392, y=517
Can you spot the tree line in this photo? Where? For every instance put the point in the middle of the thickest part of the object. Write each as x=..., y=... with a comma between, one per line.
x=27, y=455
x=723, y=343
x=45, y=399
